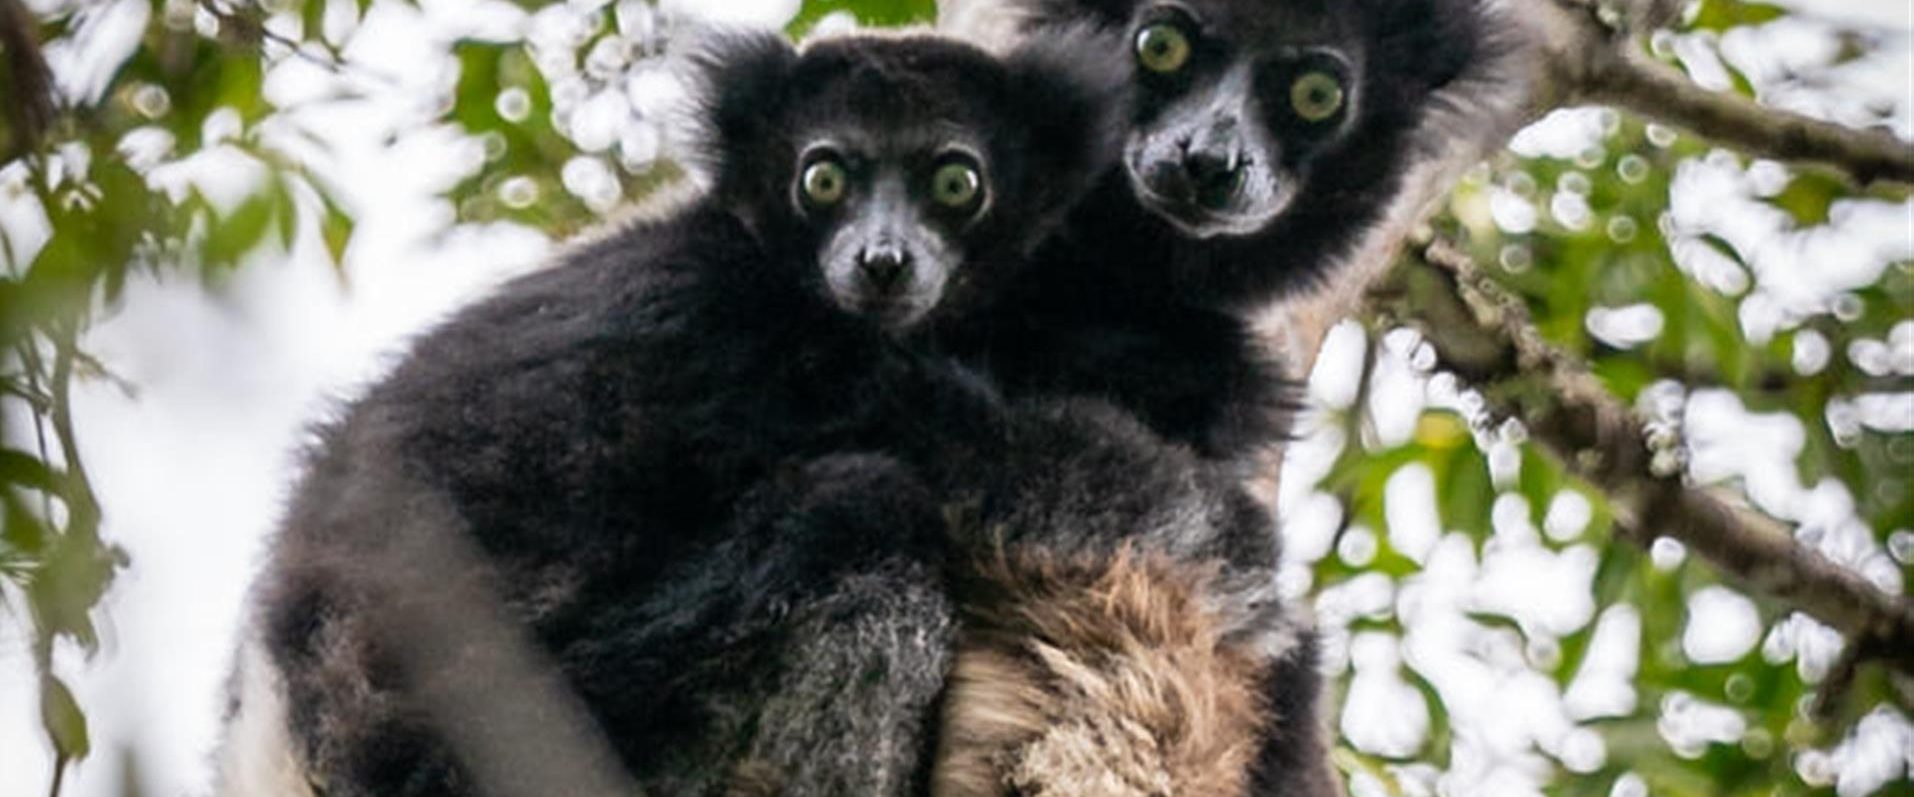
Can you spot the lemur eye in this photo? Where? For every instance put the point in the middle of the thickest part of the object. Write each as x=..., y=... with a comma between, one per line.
x=956, y=185
x=825, y=182
x=1316, y=96
x=1162, y=48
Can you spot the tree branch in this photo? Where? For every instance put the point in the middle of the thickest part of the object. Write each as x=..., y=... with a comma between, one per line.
x=1483, y=333
x=27, y=83
x=494, y=695
x=1586, y=58
x=1626, y=78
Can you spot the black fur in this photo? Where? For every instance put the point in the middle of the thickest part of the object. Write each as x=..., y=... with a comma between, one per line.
x=615, y=437
x=848, y=576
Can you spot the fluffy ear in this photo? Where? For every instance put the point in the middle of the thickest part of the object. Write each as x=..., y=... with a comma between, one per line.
x=737, y=79
x=1460, y=62
x=1071, y=84
x=1433, y=42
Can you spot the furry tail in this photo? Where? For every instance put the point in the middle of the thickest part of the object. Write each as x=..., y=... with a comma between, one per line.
x=1107, y=678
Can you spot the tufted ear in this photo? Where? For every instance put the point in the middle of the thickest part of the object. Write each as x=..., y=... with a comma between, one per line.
x=1071, y=85
x=737, y=80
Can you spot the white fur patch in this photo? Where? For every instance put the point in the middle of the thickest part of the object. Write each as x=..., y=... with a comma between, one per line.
x=257, y=757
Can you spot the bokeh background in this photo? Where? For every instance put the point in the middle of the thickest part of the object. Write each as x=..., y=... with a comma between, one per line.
x=245, y=210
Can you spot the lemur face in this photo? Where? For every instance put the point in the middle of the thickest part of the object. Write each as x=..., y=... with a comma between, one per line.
x=1237, y=105
x=890, y=214
x=904, y=177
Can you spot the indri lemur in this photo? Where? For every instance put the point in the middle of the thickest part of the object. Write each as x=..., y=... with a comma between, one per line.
x=1264, y=138
x=608, y=434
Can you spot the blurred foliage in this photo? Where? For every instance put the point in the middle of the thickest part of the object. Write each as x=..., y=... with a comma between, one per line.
x=1604, y=237
x=567, y=116
x=101, y=198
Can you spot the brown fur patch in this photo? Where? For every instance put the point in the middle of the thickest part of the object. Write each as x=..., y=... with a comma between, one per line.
x=1096, y=679
x=754, y=778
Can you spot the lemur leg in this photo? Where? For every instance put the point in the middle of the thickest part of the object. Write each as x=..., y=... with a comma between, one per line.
x=853, y=711
x=867, y=648
x=801, y=656
x=1294, y=759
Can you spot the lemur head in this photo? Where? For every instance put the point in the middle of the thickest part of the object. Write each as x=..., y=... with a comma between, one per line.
x=1244, y=107
x=904, y=175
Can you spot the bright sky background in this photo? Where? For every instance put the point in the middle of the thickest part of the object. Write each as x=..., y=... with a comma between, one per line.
x=194, y=470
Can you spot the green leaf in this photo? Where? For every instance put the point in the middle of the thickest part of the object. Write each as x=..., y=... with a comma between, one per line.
x=1720, y=15
x=77, y=569
x=98, y=228
x=61, y=277
x=312, y=19
x=26, y=470
x=239, y=232
x=60, y=716
x=336, y=228
x=1541, y=478
x=22, y=529
x=1809, y=195
x=1464, y=490
x=241, y=80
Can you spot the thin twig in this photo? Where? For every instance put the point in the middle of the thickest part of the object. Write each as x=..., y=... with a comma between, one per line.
x=30, y=357
x=59, y=774
x=250, y=31
x=83, y=508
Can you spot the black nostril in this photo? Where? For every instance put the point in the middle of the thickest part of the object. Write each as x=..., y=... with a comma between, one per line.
x=1214, y=175
x=883, y=267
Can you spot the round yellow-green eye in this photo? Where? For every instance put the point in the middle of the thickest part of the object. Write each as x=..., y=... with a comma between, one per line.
x=1162, y=48
x=956, y=185
x=825, y=182
x=1316, y=96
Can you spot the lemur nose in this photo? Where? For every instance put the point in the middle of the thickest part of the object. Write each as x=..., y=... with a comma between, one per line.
x=1214, y=174
x=884, y=265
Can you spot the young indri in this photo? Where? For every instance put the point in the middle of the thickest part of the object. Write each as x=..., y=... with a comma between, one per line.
x=607, y=449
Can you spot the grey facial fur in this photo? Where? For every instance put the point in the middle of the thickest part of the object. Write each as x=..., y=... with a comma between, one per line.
x=886, y=261
x=1209, y=166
